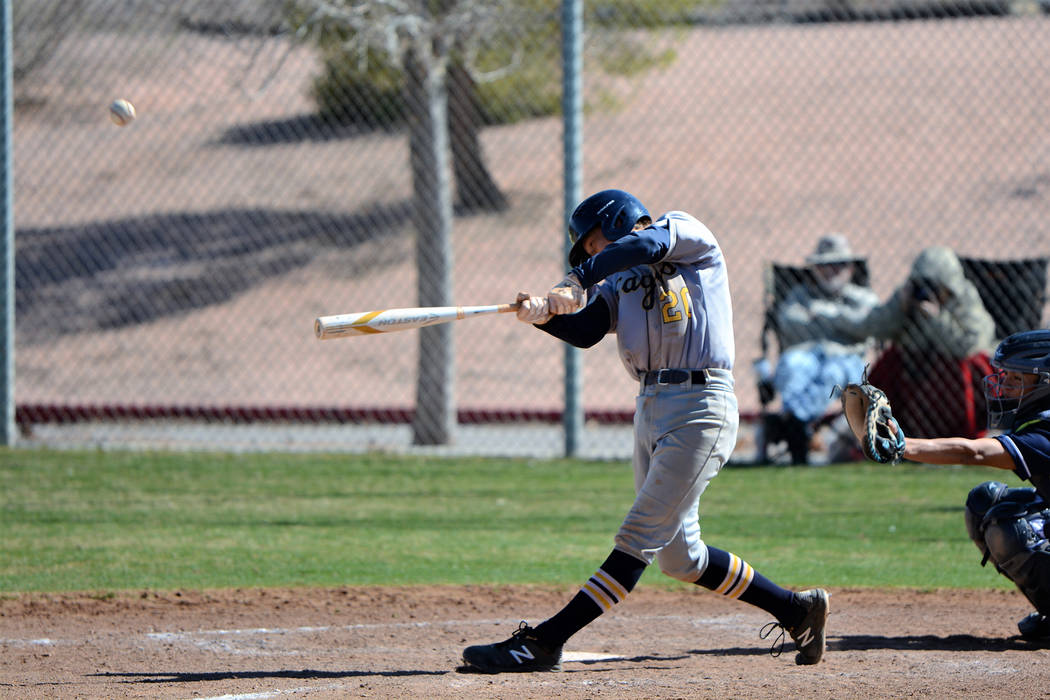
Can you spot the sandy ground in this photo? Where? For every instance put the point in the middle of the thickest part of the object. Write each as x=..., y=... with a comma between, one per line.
x=405, y=642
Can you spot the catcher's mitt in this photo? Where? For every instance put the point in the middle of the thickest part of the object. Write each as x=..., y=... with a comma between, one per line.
x=868, y=412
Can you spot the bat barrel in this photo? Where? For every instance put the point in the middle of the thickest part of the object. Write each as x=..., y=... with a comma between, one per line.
x=389, y=320
x=381, y=321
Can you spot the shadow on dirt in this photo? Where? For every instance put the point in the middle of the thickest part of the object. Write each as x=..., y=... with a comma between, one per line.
x=305, y=128
x=870, y=642
x=116, y=273
x=305, y=674
x=929, y=642
x=600, y=663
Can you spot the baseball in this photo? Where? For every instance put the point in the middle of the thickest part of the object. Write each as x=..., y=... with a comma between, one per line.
x=121, y=112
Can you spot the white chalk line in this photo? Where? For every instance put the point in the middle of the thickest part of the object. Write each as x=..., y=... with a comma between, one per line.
x=723, y=621
x=737, y=621
x=250, y=631
x=275, y=693
x=43, y=642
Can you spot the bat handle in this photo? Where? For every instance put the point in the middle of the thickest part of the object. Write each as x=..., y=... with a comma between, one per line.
x=507, y=308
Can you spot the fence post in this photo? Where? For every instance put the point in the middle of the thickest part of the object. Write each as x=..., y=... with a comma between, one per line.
x=7, y=247
x=572, y=138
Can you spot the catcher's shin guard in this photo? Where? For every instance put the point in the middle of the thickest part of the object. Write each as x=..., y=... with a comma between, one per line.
x=1021, y=552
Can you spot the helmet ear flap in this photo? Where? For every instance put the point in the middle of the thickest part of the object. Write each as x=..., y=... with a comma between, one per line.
x=577, y=255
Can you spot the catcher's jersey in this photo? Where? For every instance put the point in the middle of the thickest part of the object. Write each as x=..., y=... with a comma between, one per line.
x=675, y=313
x=1029, y=445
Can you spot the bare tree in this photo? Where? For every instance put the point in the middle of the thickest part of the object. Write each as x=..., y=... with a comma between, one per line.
x=38, y=30
x=421, y=37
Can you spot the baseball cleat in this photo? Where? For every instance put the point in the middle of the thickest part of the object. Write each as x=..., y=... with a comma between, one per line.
x=521, y=653
x=809, y=634
x=1035, y=627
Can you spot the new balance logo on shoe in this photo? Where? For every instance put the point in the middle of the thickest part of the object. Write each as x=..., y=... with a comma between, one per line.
x=805, y=638
x=809, y=634
x=522, y=653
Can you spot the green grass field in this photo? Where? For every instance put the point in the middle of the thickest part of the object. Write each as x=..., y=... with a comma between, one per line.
x=94, y=521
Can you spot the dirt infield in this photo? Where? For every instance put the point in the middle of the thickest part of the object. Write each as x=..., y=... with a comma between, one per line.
x=405, y=642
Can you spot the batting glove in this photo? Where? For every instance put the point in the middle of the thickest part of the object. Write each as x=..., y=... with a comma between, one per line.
x=567, y=297
x=533, y=310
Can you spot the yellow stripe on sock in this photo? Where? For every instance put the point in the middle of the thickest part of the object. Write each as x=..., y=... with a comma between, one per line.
x=745, y=581
x=619, y=592
x=597, y=596
x=734, y=571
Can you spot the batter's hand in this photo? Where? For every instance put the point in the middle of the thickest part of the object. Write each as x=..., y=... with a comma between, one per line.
x=567, y=297
x=533, y=309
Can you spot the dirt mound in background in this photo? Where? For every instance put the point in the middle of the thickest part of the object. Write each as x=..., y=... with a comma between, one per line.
x=901, y=135
x=405, y=642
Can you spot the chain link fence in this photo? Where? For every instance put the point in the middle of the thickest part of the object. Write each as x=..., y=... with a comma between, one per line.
x=168, y=272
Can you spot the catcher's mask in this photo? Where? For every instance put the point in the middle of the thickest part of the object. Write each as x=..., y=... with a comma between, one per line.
x=615, y=211
x=1010, y=396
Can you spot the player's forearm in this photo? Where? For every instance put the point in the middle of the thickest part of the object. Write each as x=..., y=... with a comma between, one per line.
x=583, y=329
x=983, y=451
x=639, y=248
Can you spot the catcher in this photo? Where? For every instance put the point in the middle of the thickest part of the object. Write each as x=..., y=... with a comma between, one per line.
x=1009, y=525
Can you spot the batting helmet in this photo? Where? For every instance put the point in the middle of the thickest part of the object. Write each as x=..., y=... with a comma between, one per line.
x=1027, y=352
x=615, y=211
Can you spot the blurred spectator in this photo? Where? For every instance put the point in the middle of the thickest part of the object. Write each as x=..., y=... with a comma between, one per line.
x=821, y=346
x=940, y=334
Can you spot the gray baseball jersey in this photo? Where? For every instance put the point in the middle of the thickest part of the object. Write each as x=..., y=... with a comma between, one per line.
x=671, y=310
x=676, y=312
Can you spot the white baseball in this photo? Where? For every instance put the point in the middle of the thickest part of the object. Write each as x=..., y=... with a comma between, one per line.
x=122, y=112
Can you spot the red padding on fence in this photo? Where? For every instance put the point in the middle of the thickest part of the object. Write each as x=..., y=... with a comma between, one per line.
x=27, y=414
x=30, y=413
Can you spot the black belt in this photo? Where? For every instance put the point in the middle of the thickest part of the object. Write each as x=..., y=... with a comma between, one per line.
x=675, y=376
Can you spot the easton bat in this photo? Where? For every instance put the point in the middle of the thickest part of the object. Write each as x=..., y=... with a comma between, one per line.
x=390, y=320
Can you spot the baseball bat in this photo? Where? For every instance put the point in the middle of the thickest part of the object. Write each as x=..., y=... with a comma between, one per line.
x=390, y=320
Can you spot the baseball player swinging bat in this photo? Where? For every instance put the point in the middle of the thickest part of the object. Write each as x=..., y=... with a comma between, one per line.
x=390, y=320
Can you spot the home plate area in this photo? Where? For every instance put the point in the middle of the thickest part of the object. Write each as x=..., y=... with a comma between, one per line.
x=393, y=642
x=585, y=656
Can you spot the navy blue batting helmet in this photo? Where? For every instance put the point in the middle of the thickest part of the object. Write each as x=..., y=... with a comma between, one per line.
x=615, y=211
x=1027, y=352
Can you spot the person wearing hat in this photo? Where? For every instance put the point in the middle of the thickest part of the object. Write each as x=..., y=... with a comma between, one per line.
x=822, y=342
